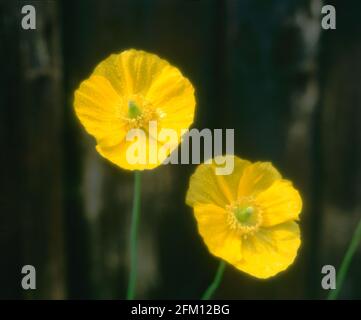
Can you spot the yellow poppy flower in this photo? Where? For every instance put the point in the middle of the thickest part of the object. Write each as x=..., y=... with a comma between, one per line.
x=128, y=91
x=247, y=218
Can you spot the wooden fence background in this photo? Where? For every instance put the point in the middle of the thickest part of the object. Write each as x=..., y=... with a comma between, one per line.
x=291, y=91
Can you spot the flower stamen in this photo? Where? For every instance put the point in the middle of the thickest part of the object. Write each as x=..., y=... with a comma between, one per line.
x=140, y=113
x=244, y=216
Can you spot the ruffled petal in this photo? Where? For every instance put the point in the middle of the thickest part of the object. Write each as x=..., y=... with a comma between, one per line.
x=221, y=241
x=206, y=187
x=132, y=71
x=281, y=202
x=173, y=96
x=270, y=250
x=134, y=155
x=256, y=178
x=98, y=106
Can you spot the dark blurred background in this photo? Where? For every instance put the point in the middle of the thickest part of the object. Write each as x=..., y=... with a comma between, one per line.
x=289, y=88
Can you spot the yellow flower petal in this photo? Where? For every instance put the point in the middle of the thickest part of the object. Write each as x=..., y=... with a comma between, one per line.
x=206, y=187
x=97, y=105
x=173, y=95
x=270, y=250
x=281, y=202
x=132, y=71
x=256, y=178
x=118, y=154
x=213, y=227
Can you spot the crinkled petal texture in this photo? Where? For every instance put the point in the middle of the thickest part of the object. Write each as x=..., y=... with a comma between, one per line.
x=206, y=187
x=162, y=94
x=272, y=245
x=212, y=225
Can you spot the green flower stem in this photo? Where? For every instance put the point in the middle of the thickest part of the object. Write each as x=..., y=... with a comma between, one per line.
x=134, y=236
x=355, y=241
x=216, y=282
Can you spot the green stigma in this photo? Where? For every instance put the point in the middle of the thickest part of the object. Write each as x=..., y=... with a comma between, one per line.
x=133, y=110
x=243, y=214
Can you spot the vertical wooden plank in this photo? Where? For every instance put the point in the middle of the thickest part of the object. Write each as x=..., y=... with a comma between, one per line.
x=273, y=95
x=11, y=134
x=42, y=114
x=34, y=107
x=341, y=137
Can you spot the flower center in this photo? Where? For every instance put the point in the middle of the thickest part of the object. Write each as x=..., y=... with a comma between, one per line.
x=140, y=113
x=244, y=216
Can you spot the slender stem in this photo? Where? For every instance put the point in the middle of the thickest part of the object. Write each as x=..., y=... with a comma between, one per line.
x=216, y=282
x=134, y=236
x=356, y=238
